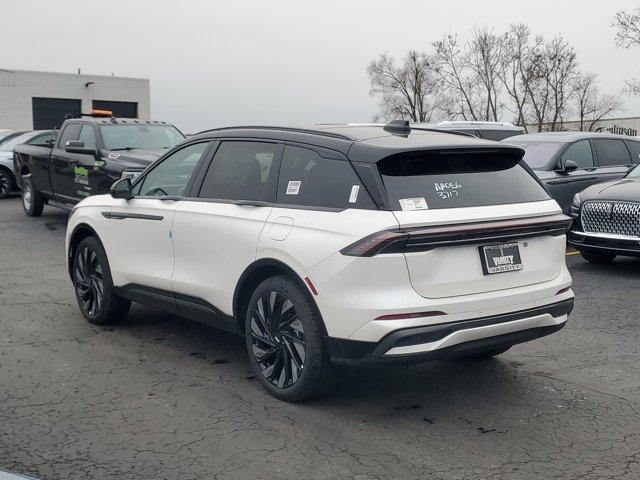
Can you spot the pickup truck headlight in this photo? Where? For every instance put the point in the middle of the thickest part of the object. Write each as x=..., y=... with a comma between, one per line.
x=132, y=174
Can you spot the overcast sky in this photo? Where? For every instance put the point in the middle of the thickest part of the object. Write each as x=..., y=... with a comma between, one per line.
x=214, y=63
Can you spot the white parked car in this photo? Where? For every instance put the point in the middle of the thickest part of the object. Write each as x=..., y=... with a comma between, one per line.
x=8, y=140
x=337, y=245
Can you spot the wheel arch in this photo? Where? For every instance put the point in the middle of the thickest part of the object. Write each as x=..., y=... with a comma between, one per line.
x=80, y=232
x=255, y=274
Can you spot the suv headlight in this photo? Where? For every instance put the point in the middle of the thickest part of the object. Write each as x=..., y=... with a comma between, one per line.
x=132, y=174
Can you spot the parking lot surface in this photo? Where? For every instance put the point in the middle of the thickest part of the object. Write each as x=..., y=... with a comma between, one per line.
x=158, y=397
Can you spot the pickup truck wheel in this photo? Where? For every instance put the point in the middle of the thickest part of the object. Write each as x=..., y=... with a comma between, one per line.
x=6, y=183
x=32, y=200
x=91, y=275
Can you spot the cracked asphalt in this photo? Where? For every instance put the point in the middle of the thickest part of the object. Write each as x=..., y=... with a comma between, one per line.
x=158, y=397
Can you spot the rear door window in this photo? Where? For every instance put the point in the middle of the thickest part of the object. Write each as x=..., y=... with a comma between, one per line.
x=430, y=180
x=580, y=153
x=242, y=170
x=308, y=179
x=612, y=152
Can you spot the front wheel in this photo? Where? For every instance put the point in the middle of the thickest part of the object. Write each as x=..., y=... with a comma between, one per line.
x=285, y=342
x=597, y=256
x=32, y=200
x=93, y=285
x=6, y=183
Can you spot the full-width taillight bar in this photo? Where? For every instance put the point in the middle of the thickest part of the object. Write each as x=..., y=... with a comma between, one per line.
x=420, y=239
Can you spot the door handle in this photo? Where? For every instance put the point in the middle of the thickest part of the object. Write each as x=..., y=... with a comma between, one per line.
x=171, y=198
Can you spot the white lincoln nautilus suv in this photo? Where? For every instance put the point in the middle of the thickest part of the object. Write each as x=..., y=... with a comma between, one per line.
x=341, y=244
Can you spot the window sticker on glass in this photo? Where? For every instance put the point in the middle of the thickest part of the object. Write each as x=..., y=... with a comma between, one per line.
x=293, y=187
x=410, y=204
x=353, y=198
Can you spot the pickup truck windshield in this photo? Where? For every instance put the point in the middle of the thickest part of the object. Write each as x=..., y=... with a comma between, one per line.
x=130, y=136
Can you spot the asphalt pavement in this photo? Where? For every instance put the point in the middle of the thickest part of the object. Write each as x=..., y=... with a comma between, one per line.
x=159, y=397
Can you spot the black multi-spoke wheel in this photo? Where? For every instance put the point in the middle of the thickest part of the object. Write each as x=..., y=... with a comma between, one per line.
x=278, y=339
x=93, y=285
x=89, y=283
x=6, y=183
x=285, y=340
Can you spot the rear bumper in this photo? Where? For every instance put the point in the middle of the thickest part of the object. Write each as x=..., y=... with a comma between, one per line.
x=619, y=244
x=421, y=344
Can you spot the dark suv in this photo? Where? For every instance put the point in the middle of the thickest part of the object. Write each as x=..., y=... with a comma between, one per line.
x=568, y=162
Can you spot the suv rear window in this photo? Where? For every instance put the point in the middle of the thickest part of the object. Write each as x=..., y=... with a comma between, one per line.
x=429, y=180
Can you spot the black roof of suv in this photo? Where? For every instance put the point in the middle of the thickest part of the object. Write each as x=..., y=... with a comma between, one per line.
x=361, y=141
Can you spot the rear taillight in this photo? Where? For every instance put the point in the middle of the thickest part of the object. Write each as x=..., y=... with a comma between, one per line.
x=421, y=239
x=376, y=243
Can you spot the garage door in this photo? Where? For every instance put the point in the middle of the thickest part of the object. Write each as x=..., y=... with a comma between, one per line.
x=51, y=112
x=119, y=109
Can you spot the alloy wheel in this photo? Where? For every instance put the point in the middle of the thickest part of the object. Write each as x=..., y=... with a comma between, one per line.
x=277, y=339
x=89, y=282
x=26, y=196
x=5, y=184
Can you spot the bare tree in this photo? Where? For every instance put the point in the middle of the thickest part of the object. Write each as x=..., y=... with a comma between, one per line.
x=627, y=25
x=469, y=74
x=521, y=52
x=409, y=91
x=448, y=67
x=484, y=56
x=550, y=89
x=590, y=105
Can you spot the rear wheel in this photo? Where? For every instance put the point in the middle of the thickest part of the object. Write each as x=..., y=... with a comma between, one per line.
x=597, y=256
x=285, y=342
x=32, y=200
x=93, y=285
x=7, y=183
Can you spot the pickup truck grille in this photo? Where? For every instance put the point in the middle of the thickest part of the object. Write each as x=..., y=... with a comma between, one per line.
x=614, y=218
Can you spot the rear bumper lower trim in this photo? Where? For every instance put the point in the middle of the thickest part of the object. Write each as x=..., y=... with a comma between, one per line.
x=421, y=344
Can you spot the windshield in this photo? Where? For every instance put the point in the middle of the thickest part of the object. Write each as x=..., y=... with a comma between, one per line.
x=634, y=173
x=130, y=136
x=19, y=140
x=538, y=154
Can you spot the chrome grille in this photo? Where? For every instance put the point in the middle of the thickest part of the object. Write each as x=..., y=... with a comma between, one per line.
x=615, y=218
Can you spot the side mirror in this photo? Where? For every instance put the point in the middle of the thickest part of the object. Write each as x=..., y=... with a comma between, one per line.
x=77, y=146
x=122, y=189
x=570, y=166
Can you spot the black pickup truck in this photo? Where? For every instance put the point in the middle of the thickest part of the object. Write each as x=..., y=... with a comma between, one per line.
x=86, y=156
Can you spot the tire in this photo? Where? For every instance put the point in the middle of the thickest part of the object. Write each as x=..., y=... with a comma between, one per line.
x=597, y=256
x=297, y=343
x=487, y=353
x=93, y=285
x=7, y=183
x=32, y=200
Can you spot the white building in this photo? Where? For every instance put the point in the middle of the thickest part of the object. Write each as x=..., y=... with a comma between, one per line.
x=620, y=126
x=32, y=100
